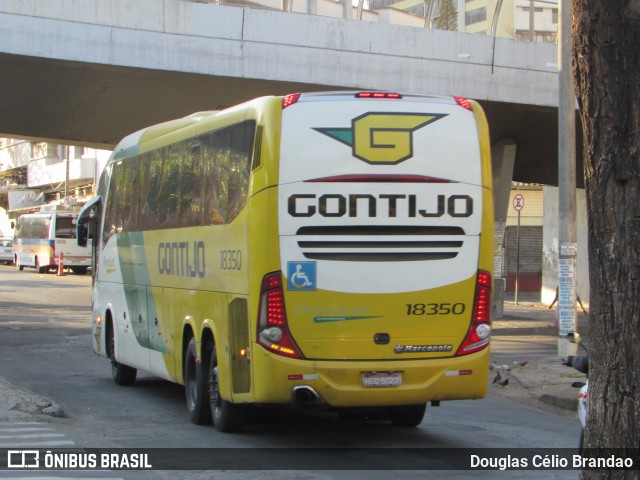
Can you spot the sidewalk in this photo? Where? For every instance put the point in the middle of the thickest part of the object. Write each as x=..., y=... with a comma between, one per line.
x=19, y=404
x=530, y=317
x=542, y=379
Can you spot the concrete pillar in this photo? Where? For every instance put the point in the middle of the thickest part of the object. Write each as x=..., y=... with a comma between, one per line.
x=312, y=7
x=503, y=155
x=550, y=246
x=346, y=9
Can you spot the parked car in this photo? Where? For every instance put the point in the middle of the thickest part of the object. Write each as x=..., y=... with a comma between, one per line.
x=6, y=250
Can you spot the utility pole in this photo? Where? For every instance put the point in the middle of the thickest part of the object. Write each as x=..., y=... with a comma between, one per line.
x=66, y=176
x=532, y=33
x=518, y=204
x=566, y=187
x=359, y=11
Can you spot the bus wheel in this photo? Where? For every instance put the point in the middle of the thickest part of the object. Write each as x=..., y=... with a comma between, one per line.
x=122, y=374
x=410, y=416
x=40, y=269
x=227, y=417
x=195, y=386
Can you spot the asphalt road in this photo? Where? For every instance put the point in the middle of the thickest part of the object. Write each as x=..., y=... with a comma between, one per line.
x=45, y=347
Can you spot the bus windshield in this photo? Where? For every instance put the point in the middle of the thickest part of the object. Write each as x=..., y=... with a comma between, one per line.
x=33, y=227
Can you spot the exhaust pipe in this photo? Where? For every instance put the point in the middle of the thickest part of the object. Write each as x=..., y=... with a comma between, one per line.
x=304, y=394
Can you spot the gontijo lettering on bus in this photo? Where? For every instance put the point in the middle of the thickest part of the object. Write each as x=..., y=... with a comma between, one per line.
x=383, y=205
x=183, y=259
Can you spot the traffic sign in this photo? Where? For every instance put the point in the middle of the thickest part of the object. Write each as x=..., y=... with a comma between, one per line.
x=518, y=202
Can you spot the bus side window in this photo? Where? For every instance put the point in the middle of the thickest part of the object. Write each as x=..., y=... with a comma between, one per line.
x=192, y=182
x=112, y=207
x=65, y=227
x=212, y=184
x=240, y=147
x=186, y=194
x=170, y=188
x=105, y=193
x=128, y=216
x=149, y=198
x=145, y=218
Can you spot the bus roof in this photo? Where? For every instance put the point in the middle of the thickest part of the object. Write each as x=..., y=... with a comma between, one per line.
x=130, y=145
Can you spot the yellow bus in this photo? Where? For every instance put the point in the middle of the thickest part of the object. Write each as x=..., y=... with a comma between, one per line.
x=331, y=249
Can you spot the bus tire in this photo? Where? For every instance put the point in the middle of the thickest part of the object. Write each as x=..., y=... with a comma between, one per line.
x=227, y=417
x=195, y=386
x=40, y=269
x=409, y=416
x=121, y=374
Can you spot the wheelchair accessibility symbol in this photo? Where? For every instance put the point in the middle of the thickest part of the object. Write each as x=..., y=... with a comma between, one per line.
x=301, y=276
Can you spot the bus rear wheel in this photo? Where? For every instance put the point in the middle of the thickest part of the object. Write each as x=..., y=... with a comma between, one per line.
x=122, y=374
x=40, y=269
x=409, y=416
x=227, y=417
x=195, y=386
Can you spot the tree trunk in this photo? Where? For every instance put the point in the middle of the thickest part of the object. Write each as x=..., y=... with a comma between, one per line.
x=606, y=55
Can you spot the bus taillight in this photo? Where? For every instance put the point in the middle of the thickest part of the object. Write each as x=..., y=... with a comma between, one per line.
x=290, y=99
x=393, y=95
x=480, y=330
x=273, y=331
x=463, y=102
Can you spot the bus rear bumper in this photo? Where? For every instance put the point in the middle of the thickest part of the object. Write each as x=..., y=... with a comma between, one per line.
x=281, y=380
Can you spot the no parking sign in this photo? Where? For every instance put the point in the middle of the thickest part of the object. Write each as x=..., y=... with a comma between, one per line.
x=518, y=202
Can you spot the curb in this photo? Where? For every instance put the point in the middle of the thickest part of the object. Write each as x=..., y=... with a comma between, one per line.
x=512, y=332
x=561, y=402
x=17, y=399
x=567, y=400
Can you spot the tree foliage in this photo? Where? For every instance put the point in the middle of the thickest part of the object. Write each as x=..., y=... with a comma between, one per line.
x=606, y=56
x=448, y=19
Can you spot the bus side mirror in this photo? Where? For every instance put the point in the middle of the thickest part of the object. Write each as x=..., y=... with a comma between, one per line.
x=84, y=217
x=82, y=233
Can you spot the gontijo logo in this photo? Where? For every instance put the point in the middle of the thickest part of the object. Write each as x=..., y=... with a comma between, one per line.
x=382, y=138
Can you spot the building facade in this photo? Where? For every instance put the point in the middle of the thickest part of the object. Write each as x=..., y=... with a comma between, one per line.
x=35, y=173
x=530, y=246
x=523, y=20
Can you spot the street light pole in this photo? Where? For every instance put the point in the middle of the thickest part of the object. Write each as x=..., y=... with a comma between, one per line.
x=66, y=176
x=532, y=10
x=566, y=186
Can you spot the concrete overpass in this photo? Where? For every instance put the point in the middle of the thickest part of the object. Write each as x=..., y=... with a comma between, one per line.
x=91, y=72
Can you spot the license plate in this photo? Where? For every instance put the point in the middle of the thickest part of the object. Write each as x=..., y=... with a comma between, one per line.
x=27, y=259
x=381, y=379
